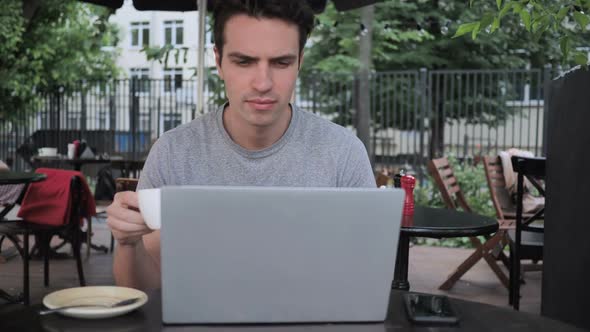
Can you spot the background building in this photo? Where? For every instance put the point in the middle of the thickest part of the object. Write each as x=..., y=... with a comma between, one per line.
x=156, y=29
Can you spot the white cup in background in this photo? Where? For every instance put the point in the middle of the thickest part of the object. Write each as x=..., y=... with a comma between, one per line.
x=149, y=206
x=71, y=151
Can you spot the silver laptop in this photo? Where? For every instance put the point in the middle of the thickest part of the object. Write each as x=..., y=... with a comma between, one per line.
x=277, y=255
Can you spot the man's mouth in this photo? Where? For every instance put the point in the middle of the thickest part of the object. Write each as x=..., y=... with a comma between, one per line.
x=261, y=103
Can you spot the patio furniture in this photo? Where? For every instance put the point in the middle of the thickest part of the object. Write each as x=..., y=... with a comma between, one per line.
x=453, y=197
x=59, y=138
x=43, y=233
x=503, y=203
x=474, y=316
x=521, y=245
x=128, y=167
x=436, y=223
x=11, y=178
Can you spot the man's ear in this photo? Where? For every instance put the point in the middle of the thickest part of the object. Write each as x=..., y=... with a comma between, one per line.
x=301, y=56
x=218, y=62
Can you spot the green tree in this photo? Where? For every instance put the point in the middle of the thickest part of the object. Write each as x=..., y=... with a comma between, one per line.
x=49, y=44
x=566, y=21
x=412, y=35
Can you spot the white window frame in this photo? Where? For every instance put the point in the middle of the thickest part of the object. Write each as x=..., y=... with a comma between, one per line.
x=171, y=74
x=175, y=118
x=174, y=26
x=141, y=73
x=140, y=28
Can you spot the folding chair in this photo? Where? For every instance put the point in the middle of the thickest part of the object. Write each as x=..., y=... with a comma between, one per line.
x=453, y=197
x=503, y=204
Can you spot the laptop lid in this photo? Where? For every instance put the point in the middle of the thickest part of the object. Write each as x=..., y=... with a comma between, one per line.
x=277, y=255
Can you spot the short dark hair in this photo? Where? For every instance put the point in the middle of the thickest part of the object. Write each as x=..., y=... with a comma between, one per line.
x=297, y=12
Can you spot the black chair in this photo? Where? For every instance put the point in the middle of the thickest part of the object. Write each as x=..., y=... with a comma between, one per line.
x=527, y=238
x=70, y=232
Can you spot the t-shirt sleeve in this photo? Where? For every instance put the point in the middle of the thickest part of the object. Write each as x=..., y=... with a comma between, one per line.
x=358, y=171
x=155, y=170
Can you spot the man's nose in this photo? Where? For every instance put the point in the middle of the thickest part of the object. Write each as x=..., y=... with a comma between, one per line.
x=262, y=81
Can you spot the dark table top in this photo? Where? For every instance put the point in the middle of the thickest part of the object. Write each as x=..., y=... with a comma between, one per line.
x=127, y=165
x=474, y=317
x=440, y=223
x=20, y=177
x=96, y=160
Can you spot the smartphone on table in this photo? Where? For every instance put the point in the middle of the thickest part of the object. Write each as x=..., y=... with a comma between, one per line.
x=429, y=309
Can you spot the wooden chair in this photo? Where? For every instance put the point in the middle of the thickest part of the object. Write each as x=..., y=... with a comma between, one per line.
x=453, y=197
x=507, y=209
x=126, y=184
x=382, y=179
x=527, y=238
x=503, y=204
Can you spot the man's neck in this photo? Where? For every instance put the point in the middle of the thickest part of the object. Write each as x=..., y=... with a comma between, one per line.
x=255, y=137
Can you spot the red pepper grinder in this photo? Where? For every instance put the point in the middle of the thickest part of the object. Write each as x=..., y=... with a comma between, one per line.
x=408, y=184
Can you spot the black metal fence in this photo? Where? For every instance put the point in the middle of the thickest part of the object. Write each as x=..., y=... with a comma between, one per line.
x=415, y=115
x=419, y=115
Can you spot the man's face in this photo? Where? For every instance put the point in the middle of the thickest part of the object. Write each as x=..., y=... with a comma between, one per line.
x=259, y=65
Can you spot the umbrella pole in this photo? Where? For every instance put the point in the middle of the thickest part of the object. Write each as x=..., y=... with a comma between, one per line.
x=202, y=7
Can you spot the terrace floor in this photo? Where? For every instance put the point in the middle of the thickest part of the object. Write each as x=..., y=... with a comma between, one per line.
x=429, y=266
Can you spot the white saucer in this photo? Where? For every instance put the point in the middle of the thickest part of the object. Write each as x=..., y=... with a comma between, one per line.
x=94, y=295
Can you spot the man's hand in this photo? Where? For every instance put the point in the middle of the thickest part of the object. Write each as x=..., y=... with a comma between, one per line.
x=124, y=219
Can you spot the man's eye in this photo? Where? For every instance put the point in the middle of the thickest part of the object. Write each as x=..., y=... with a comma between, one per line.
x=243, y=63
x=283, y=64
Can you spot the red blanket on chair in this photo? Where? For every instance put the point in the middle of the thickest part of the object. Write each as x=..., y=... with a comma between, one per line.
x=48, y=202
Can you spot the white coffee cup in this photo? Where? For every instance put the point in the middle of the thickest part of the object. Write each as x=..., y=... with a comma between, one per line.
x=71, y=151
x=150, y=208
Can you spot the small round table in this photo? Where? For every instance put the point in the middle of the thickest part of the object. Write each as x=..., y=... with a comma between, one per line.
x=20, y=177
x=127, y=166
x=437, y=223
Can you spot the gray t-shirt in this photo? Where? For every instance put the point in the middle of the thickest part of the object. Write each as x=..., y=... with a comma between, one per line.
x=313, y=152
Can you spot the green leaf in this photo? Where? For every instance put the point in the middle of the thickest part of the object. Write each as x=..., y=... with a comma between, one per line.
x=505, y=10
x=539, y=32
x=516, y=8
x=486, y=20
x=525, y=16
x=582, y=19
x=564, y=44
x=465, y=28
x=562, y=12
x=581, y=59
x=495, y=24
x=475, y=31
x=541, y=23
x=499, y=4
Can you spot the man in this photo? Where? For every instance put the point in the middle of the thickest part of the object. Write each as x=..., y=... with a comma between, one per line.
x=257, y=138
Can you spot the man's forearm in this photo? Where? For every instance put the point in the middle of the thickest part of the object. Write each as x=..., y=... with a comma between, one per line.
x=134, y=267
